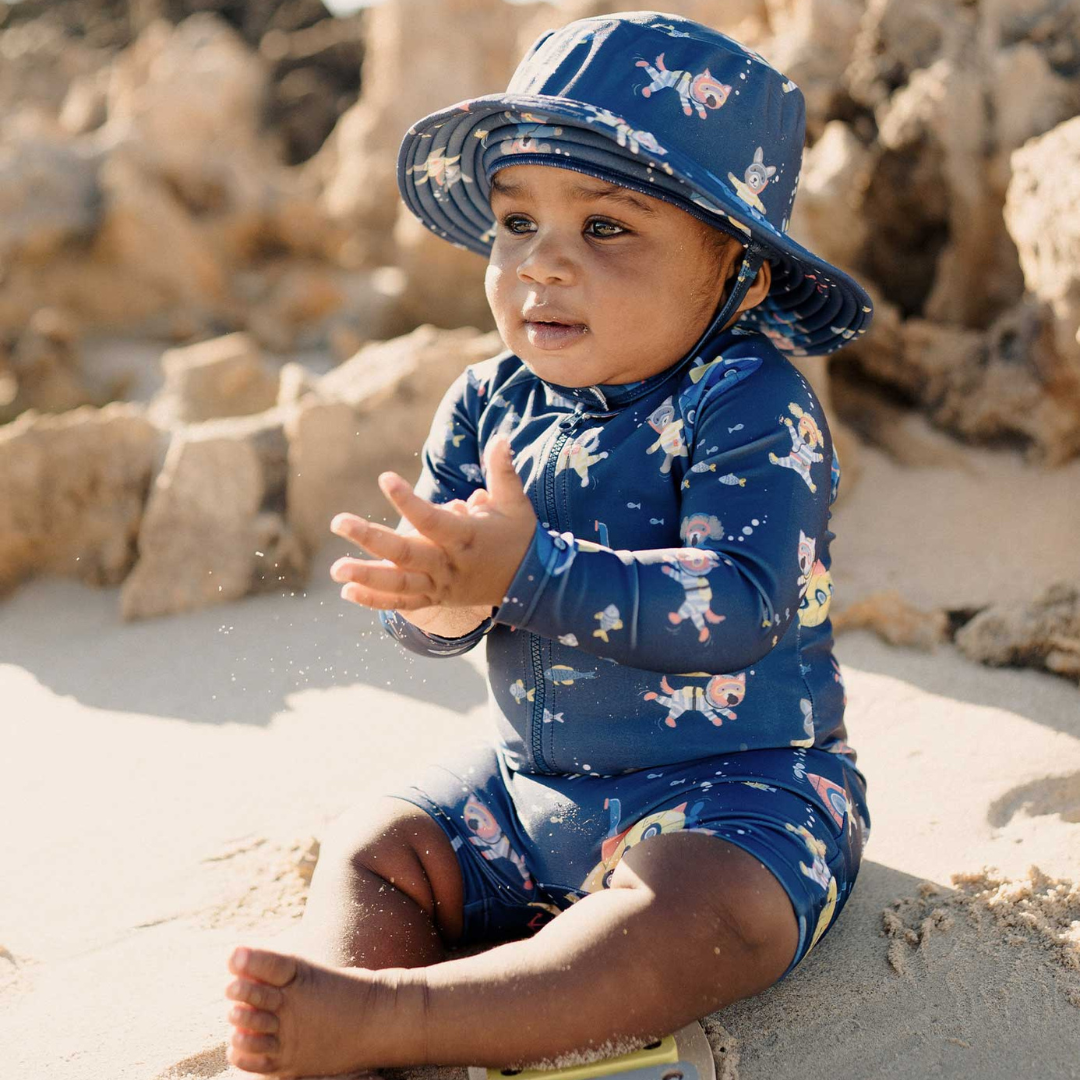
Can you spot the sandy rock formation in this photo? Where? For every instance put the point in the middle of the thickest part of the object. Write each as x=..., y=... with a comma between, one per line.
x=827, y=215
x=43, y=370
x=226, y=376
x=811, y=41
x=370, y=414
x=1042, y=634
x=894, y=620
x=1042, y=211
x=72, y=489
x=213, y=530
x=357, y=166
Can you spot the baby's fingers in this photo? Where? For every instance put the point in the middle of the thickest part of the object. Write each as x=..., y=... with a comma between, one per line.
x=435, y=522
x=383, y=577
x=361, y=594
x=411, y=552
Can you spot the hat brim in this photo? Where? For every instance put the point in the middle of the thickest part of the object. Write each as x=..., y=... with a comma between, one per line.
x=813, y=308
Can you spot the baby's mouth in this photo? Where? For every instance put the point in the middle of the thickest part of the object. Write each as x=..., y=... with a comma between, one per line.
x=550, y=334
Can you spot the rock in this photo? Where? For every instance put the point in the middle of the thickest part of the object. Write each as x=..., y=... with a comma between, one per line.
x=222, y=377
x=894, y=620
x=357, y=165
x=1003, y=382
x=48, y=196
x=71, y=493
x=813, y=42
x=310, y=305
x=302, y=296
x=314, y=77
x=1042, y=211
x=429, y=263
x=44, y=368
x=907, y=436
x=210, y=533
x=183, y=92
x=1042, y=634
x=148, y=232
x=370, y=414
x=85, y=106
x=832, y=188
x=942, y=82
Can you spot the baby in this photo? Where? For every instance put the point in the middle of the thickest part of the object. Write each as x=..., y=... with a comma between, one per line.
x=631, y=504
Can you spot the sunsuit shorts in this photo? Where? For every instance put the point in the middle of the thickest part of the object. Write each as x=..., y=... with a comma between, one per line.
x=529, y=845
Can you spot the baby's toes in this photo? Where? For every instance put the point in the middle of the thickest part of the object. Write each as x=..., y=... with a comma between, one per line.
x=262, y=965
x=253, y=1053
x=254, y=1020
x=258, y=995
x=248, y=1042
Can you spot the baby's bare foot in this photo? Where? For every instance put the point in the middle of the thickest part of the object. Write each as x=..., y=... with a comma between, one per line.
x=294, y=1018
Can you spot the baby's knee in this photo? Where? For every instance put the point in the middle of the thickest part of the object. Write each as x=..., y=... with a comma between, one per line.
x=398, y=842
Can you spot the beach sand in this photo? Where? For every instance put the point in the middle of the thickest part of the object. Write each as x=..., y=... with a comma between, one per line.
x=164, y=785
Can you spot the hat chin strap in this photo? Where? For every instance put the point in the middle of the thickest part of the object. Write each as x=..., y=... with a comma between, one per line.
x=753, y=257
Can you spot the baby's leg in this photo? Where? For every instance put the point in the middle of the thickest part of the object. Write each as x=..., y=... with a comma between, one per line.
x=387, y=891
x=689, y=924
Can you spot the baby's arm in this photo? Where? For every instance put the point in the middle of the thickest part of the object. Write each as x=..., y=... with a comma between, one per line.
x=451, y=444
x=722, y=600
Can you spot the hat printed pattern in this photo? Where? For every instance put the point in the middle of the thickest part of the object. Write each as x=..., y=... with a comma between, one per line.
x=661, y=105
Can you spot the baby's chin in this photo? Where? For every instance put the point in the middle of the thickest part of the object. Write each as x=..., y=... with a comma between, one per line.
x=579, y=367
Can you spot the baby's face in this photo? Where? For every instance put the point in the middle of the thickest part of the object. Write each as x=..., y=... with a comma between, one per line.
x=635, y=278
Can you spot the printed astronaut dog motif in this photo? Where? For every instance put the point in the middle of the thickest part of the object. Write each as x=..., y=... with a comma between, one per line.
x=698, y=528
x=688, y=570
x=617, y=843
x=528, y=139
x=754, y=181
x=625, y=135
x=714, y=701
x=671, y=441
x=695, y=91
x=815, y=584
x=489, y=838
x=443, y=172
x=580, y=454
x=820, y=874
x=816, y=601
x=804, y=438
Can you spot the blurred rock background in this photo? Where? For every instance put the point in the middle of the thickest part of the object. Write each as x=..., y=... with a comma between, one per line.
x=218, y=322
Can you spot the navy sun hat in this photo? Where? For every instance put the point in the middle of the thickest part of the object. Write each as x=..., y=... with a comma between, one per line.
x=665, y=106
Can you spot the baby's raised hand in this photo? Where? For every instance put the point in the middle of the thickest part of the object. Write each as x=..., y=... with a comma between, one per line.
x=462, y=554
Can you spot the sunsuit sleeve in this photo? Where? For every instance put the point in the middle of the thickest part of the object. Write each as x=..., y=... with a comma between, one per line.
x=450, y=470
x=754, y=493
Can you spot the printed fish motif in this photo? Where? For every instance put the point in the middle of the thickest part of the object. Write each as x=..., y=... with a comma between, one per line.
x=656, y=521
x=703, y=466
x=549, y=716
x=737, y=427
x=633, y=506
x=568, y=639
x=731, y=480
x=520, y=694
x=564, y=675
x=609, y=620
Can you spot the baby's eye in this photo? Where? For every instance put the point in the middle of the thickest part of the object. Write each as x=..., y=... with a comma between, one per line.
x=606, y=225
x=511, y=220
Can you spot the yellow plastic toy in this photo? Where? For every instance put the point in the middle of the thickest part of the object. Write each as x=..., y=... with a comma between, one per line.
x=686, y=1055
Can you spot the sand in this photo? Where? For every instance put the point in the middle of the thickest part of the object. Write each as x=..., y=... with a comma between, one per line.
x=164, y=785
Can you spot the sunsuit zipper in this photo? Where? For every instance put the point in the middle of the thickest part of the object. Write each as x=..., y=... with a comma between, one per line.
x=551, y=515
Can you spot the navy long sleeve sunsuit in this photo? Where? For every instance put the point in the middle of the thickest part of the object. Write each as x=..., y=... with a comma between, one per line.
x=663, y=657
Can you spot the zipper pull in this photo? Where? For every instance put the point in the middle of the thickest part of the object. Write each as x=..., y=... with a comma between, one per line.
x=568, y=423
